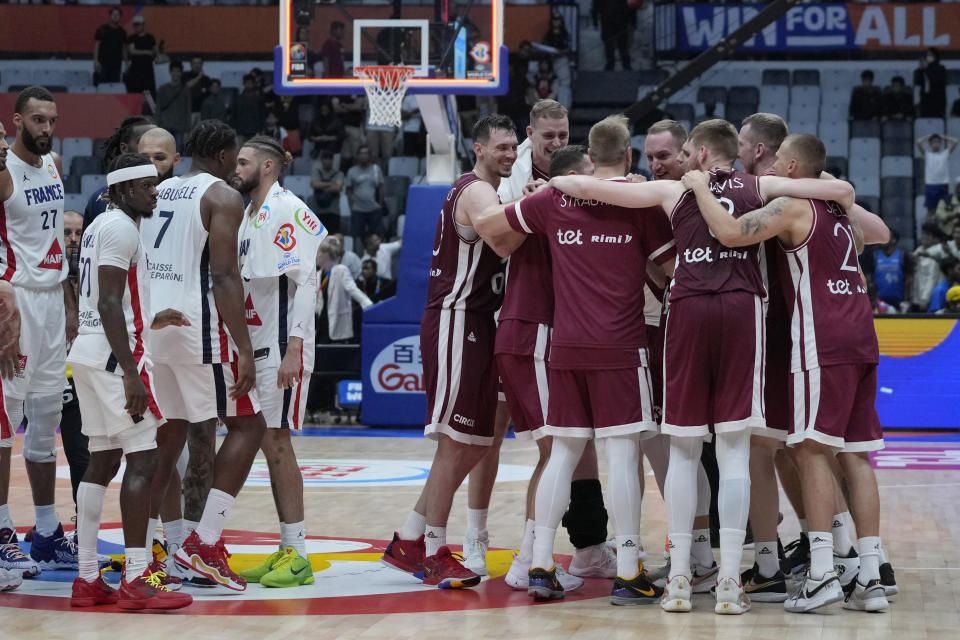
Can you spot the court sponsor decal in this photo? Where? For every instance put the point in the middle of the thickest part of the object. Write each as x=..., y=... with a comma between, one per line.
x=917, y=458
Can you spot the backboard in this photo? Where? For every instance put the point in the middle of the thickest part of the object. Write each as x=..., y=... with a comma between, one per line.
x=455, y=46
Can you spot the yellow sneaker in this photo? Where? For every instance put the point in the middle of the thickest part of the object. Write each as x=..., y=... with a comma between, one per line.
x=256, y=573
x=292, y=570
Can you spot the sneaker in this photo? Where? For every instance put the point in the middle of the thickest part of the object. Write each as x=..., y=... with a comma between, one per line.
x=813, y=594
x=544, y=585
x=10, y=580
x=677, y=595
x=172, y=583
x=636, y=590
x=89, y=594
x=847, y=567
x=12, y=556
x=660, y=574
x=254, y=574
x=871, y=597
x=887, y=580
x=703, y=577
x=763, y=589
x=291, y=570
x=797, y=557
x=731, y=598
x=595, y=561
x=55, y=551
x=406, y=555
x=475, y=545
x=445, y=570
x=209, y=561
x=146, y=591
x=518, y=577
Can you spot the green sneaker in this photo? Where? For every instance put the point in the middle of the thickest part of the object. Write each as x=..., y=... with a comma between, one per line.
x=256, y=573
x=292, y=570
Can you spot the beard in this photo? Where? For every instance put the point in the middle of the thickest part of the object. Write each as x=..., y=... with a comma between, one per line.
x=245, y=187
x=39, y=146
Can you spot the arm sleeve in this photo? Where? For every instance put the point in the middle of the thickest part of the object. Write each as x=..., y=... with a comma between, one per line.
x=350, y=285
x=117, y=246
x=527, y=215
x=660, y=243
x=304, y=304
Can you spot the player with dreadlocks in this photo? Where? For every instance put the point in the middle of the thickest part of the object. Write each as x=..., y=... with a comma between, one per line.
x=124, y=139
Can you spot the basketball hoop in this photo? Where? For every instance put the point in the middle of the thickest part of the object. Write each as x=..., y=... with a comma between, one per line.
x=385, y=87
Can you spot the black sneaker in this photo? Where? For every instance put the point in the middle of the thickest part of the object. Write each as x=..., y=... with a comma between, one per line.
x=887, y=580
x=798, y=556
x=636, y=590
x=543, y=584
x=762, y=589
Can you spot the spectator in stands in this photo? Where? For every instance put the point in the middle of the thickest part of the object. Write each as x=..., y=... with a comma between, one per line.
x=948, y=211
x=926, y=275
x=543, y=84
x=327, y=184
x=272, y=128
x=336, y=289
x=865, y=99
x=943, y=247
x=174, y=105
x=381, y=252
x=351, y=110
x=373, y=284
x=108, y=49
x=213, y=107
x=364, y=186
x=326, y=130
x=951, y=278
x=616, y=22
x=936, y=169
x=198, y=82
x=953, y=302
x=879, y=306
x=892, y=270
x=332, y=52
x=349, y=259
x=931, y=77
x=142, y=51
x=897, y=101
x=557, y=35
x=248, y=113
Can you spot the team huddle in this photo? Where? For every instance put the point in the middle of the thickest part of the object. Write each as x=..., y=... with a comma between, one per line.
x=709, y=303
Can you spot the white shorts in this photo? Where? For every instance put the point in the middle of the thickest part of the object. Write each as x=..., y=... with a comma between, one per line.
x=198, y=392
x=282, y=408
x=43, y=344
x=105, y=422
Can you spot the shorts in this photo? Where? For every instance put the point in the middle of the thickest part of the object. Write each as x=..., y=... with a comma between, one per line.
x=713, y=364
x=198, y=392
x=934, y=193
x=43, y=344
x=836, y=406
x=523, y=376
x=282, y=408
x=655, y=347
x=459, y=374
x=105, y=422
x=6, y=431
x=776, y=390
x=599, y=403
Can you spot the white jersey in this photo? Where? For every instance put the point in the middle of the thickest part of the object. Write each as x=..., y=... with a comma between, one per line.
x=278, y=248
x=31, y=225
x=180, y=274
x=113, y=240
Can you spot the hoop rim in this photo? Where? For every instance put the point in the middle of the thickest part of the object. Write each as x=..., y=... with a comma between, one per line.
x=382, y=73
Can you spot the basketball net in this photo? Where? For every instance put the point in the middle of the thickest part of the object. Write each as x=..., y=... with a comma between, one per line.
x=385, y=86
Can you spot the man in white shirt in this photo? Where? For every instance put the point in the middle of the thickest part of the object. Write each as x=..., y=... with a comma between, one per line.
x=937, y=170
x=382, y=252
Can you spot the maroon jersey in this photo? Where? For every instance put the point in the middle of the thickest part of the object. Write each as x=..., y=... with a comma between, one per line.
x=831, y=318
x=703, y=264
x=536, y=174
x=599, y=254
x=465, y=273
x=529, y=285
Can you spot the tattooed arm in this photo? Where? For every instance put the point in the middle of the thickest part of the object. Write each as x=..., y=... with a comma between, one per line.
x=783, y=217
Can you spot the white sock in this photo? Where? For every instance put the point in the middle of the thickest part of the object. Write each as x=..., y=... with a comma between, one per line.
x=870, y=550
x=434, y=538
x=679, y=552
x=6, y=522
x=883, y=555
x=803, y=526
x=215, y=515
x=89, y=508
x=136, y=563
x=765, y=554
x=413, y=527
x=628, y=555
x=151, y=531
x=700, y=549
x=174, y=532
x=542, y=555
x=842, y=542
x=294, y=535
x=680, y=495
x=731, y=552
x=821, y=553
x=477, y=519
x=526, y=545
x=189, y=526
x=47, y=519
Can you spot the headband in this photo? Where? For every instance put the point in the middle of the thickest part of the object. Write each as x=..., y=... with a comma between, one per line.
x=132, y=173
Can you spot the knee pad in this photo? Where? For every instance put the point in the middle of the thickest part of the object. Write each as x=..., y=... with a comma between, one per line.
x=43, y=418
x=586, y=518
x=14, y=410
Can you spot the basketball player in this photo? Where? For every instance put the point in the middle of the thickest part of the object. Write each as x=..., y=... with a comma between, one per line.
x=599, y=384
x=833, y=364
x=112, y=371
x=456, y=341
x=710, y=385
x=31, y=259
x=124, y=139
x=201, y=371
x=279, y=238
x=10, y=554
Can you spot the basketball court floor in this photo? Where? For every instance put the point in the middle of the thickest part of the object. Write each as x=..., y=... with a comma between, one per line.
x=360, y=484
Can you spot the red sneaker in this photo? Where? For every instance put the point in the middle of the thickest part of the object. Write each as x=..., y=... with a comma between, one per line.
x=208, y=561
x=406, y=555
x=147, y=592
x=89, y=594
x=445, y=571
x=172, y=583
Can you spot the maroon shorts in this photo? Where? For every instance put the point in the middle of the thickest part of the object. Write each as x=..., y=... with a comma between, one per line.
x=655, y=347
x=776, y=390
x=521, y=356
x=836, y=406
x=459, y=374
x=597, y=403
x=713, y=364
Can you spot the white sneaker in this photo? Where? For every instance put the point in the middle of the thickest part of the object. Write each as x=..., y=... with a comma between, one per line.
x=596, y=561
x=731, y=598
x=10, y=580
x=703, y=577
x=866, y=598
x=659, y=575
x=475, y=545
x=847, y=567
x=677, y=595
x=813, y=594
x=518, y=577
